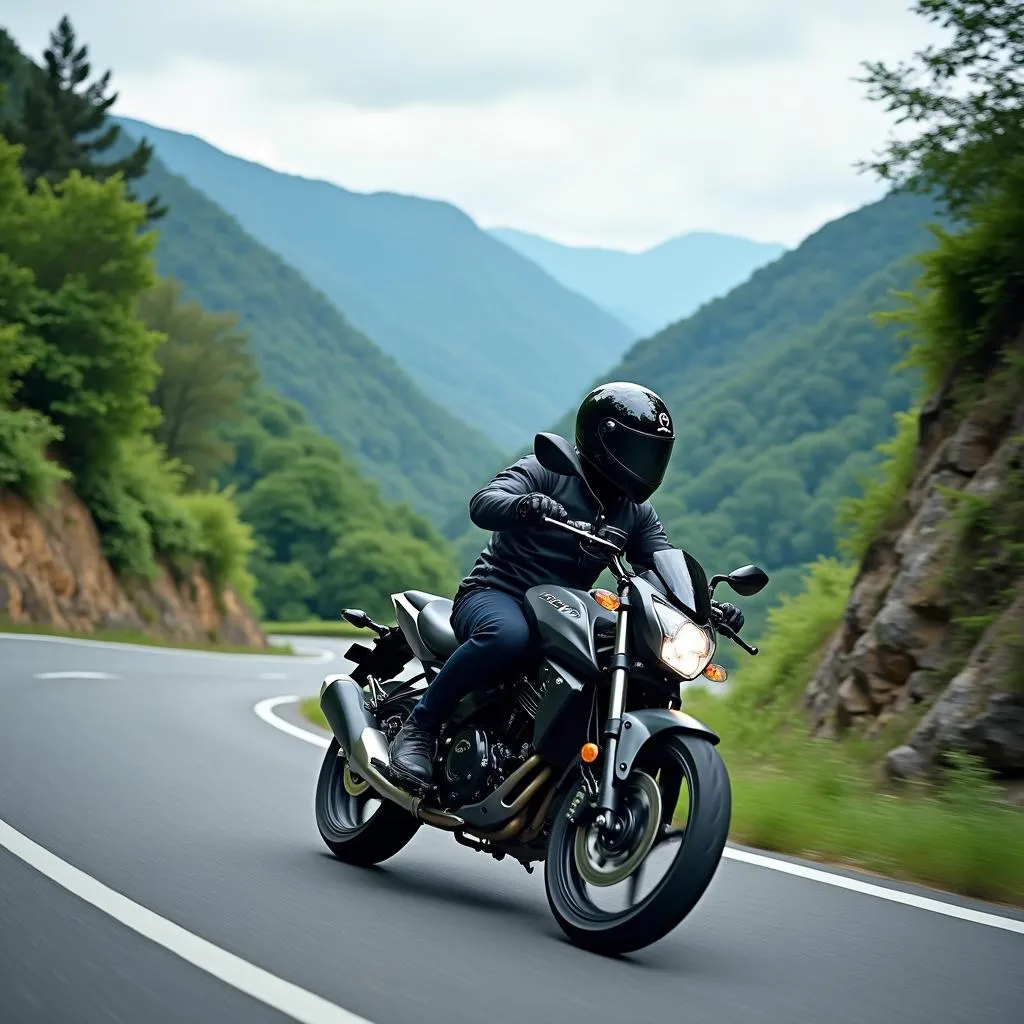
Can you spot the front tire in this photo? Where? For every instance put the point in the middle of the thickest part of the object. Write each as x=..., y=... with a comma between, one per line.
x=681, y=759
x=358, y=826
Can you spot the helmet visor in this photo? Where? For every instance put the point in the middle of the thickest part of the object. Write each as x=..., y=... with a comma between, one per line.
x=642, y=457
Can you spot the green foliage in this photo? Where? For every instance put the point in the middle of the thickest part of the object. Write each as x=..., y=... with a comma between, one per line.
x=818, y=798
x=205, y=369
x=973, y=282
x=227, y=542
x=92, y=362
x=24, y=433
x=879, y=506
x=135, y=499
x=966, y=98
x=325, y=537
x=61, y=117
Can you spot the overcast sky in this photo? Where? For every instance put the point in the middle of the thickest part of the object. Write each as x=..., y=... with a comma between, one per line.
x=604, y=122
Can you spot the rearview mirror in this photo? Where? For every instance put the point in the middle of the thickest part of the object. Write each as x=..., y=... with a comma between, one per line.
x=747, y=581
x=556, y=455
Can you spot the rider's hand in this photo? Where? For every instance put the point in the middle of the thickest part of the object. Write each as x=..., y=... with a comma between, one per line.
x=731, y=616
x=532, y=508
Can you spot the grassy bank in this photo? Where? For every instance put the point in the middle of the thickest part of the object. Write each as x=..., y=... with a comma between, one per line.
x=315, y=627
x=131, y=636
x=826, y=800
x=310, y=709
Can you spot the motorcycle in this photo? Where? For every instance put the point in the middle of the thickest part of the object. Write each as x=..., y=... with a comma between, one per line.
x=526, y=768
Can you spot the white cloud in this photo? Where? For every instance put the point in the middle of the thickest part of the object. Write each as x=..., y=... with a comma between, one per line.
x=615, y=122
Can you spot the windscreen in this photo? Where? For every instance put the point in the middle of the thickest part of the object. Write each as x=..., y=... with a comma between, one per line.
x=685, y=582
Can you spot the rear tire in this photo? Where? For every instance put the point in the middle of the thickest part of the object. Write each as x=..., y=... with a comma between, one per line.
x=683, y=884
x=352, y=840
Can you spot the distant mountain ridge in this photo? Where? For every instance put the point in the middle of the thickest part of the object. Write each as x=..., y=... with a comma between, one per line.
x=418, y=451
x=481, y=329
x=648, y=290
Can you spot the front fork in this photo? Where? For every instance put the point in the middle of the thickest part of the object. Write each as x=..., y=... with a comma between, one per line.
x=607, y=795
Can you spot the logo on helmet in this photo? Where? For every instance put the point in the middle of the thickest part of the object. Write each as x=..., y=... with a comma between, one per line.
x=664, y=423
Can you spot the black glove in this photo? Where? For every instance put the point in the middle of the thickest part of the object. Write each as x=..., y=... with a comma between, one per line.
x=532, y=508
x=731, y=616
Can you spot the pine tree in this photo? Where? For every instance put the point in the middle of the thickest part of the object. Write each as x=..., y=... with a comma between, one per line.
x=63, y=120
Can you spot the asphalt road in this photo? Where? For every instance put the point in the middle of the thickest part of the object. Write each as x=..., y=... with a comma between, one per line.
x=159, y=862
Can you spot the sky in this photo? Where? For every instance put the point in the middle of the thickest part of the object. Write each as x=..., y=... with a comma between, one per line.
x=617, y=123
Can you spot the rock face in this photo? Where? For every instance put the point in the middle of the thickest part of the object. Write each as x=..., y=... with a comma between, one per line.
x=898, y=648
x=53, y=573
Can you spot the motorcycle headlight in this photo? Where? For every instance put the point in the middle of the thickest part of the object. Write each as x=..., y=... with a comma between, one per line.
x=685, y=647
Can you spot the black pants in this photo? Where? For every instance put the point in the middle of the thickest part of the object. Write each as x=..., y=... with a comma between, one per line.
x=494, y=636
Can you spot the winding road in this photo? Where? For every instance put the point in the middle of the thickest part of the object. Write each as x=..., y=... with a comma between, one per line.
x=159, y=862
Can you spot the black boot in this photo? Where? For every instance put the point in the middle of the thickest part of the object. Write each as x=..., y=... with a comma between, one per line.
x=412, y=756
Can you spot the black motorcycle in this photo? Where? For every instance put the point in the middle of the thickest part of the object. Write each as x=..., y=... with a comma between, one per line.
x=527, y=768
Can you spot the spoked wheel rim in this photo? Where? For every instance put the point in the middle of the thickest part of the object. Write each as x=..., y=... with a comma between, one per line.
x=653, y=827
x=347, y=802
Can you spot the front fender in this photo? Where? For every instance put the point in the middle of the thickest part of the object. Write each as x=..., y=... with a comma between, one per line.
x=640, y=726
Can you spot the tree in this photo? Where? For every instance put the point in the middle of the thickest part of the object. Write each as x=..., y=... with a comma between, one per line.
x=967, y=98
x=63, y=120
x=205, y=370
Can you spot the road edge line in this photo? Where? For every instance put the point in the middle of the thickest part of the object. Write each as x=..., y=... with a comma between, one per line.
x=243, y=976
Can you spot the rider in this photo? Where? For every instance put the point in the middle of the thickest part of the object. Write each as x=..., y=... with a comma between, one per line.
x=624, y=438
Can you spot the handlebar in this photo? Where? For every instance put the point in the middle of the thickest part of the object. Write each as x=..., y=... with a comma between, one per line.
x=585, y=530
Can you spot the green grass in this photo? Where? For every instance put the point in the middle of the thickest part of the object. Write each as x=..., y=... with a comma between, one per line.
x=315, y=627
x=825, y=799
x=310, y=709
x=132, y=636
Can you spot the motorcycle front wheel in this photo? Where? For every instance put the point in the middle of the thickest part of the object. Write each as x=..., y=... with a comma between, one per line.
x=676, y=800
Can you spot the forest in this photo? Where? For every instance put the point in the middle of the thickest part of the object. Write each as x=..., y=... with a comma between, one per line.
x=153, y=407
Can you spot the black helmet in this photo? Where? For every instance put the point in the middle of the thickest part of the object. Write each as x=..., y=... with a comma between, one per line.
x=624, y=433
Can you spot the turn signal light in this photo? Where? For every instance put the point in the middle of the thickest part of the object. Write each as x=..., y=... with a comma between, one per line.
x=606, y=599
x=589, y=753
x=716, y=673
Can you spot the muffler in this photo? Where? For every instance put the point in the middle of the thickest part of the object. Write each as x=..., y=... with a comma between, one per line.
x=344, y=706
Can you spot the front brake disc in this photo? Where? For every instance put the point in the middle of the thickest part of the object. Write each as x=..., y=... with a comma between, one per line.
x=603, y=866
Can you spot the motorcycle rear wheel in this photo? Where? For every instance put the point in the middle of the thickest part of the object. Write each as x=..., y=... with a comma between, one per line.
x=698, y=766
x=340, y=806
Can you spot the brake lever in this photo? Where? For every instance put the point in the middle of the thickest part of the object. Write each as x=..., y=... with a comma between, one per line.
x=735, y=638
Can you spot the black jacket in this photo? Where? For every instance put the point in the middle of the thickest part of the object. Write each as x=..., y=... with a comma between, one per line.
x=521, y=555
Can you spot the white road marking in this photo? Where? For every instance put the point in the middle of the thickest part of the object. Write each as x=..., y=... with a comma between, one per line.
x=311, y=655
x=265, y=710
x=74, y=675
x=253, y=981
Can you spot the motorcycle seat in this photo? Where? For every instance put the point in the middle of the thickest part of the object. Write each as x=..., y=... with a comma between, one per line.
x=435, y=626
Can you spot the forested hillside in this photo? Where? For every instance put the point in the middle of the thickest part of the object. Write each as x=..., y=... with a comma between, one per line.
x=648, y=290
x=151, y=406
x=483, y=330
x=780, y=391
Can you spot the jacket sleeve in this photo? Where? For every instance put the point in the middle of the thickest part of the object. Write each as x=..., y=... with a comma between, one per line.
x=494, y=507
x=647, y=536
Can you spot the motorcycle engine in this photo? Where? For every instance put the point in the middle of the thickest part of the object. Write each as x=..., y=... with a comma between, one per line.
x=469, y=766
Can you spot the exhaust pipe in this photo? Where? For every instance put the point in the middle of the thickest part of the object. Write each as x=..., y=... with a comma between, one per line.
x=344, y=706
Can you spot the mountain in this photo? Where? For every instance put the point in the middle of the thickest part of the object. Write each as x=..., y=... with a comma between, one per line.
x=780, y=390
x=481, y=329
x=648, y=289
x=307, y=351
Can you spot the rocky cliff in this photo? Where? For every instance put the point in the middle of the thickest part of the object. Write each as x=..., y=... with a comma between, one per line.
x=933, y=634
x=53, y=573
